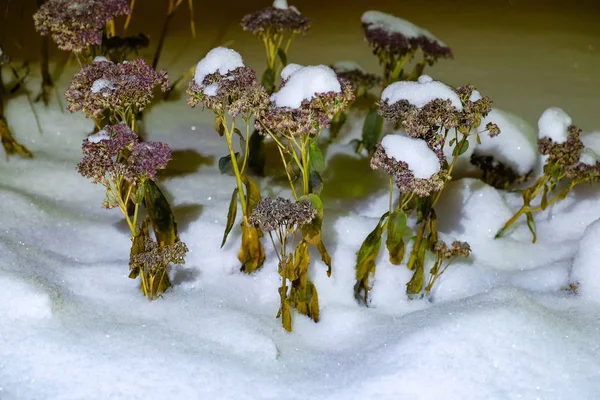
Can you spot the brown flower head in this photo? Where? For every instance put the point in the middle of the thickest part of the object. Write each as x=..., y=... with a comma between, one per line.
x=77, y=24
x=236, y=92
x=155, y=258
x=272, y=214
x=360, y=80
x=271, y=21
x=121, y=88
x=458, y=249
x=563, y=154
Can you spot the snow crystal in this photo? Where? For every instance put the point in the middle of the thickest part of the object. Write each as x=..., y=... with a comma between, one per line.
x=304, y=83
x=393, y=24
x=553, y=124
x=219, y=59
x=421, y=92
x=98, y=137
x=346, y=66
x=516, y=146
x=421, y=160
x=586, y=267
x=101, y=59
x=289, y=69
x=102, y=86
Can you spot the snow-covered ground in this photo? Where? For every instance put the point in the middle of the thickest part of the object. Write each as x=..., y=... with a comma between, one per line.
x=73, y=326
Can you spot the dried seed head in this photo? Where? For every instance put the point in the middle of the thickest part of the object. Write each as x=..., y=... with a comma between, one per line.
x=235, y=93
x=103, y=86
x=76, y=25
x=564, y=154
x=458, y=249
x=155, y=258
x=271, y=21
x=357, y=77
x=271, y=214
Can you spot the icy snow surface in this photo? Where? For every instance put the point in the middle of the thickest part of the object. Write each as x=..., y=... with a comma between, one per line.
x=421, y=160
x=553, y=124
x=586, y=267
x=420, y=93
x=74, y=326
x=219, y=59
x=304, y=84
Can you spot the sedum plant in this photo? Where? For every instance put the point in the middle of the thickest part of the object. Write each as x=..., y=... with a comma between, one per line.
x=78, y=26
x=115, y=158
x=308, y=99
x=568, y=163
x=224, y=85
x=432, y=116
x=283, y=221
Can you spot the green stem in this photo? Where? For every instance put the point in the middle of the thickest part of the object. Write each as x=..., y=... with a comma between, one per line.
x=236, y=170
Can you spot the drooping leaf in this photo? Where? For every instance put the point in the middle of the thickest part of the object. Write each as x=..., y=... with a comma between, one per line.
x=372, y=129
x=282, y=56
x=316, y=158
x=286, y=316
x=226, y=165
x=415, y=286
x=160, y=214
x=252, y=253
x=395, y=236
x=544, y=203
x=365, y=262
x=311, y=232
x=252, y=193
x=219, y=127
x=460, y=148
x=268, y=80
x=231, y=214
x=238, y=132
x=531, y=225
x=315, y=184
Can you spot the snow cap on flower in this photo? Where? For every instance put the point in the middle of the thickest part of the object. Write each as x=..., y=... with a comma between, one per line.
x=554, y=124
x=565, y=153
x=271, y=214
x=397, y=36
x=219, y=60
x=77, y=24
x=356, y=75
x=420, y=93
x=305, y=83
x=276, y=19
x=104, y=85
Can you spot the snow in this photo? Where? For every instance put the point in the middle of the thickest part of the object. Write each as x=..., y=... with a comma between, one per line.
x=211, y=90
x=98, y=136
x=100, y=59
x=591, y=148
x=393, y=24
x=421, y=92
x=305, y=82
x=516, y=146
x=103, y=86
x=219, y=59
x=421, y=160
x=475, y=96
x=586, y=268
x=280, y=4
x=553, y=124
x=498, y=325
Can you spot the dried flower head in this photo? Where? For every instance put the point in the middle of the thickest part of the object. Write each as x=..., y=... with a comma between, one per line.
x=122, y=88
x=404, y=177
x=235, y=93
x=312, y=115
x=496, y=173
x=272, y=214
x=270, y=21
x=358, y=78
x=155, y=258
x=117, y=152
x=458, y=249
x=77, y=24
x=394, y=37
x=564, y=154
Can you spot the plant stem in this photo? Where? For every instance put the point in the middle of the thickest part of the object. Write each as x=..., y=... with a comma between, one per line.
x=238, y=176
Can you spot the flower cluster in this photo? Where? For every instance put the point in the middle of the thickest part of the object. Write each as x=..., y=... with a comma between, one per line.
x=121, y=88
x=235, y=93
x=457, y=249
x=404, y=178
x=77, y=24
x=312, y=115
x=271, y=20
x=116, y=152
x=155, y=258
x=564, y=154
x=272, y=214
x=360, y=80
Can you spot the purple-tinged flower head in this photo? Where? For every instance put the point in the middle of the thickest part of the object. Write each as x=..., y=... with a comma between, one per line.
x=271, y=214
x=360, y=80
x=567, y=153
x=155, y=259
x=391, y=37
x=119, y=88
x=458, y=249
x=76, y=25
x=236, y=92
x=306, y=102
x=271, y=21
x=116, y=152
x=404, y=177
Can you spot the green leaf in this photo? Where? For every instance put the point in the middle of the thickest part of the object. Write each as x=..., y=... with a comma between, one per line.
x=219, y=127
x=531, y=225
x=315, y=183
x=257, y=156
x=316, y=157
x=252, y=193
x=312, y=232
x=225, y=164
x=282, y=56
x=460, y=148
x=231, y=214
x=372, y=129
x=544, y=203
x=160, y=214
x=395, y=238
x=365, y=261
x=268, y=80
x=238, y=132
